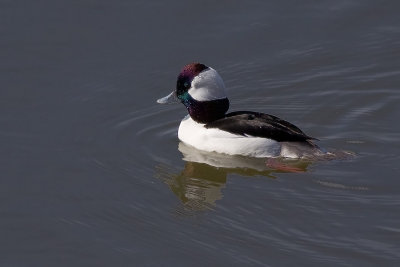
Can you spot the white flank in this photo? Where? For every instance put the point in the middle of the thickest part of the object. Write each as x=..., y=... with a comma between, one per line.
x=215, y=140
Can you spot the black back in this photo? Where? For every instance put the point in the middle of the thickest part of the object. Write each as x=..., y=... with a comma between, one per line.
x=259, y=125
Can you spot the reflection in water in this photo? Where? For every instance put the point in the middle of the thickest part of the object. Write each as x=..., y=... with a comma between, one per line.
x=199, y=184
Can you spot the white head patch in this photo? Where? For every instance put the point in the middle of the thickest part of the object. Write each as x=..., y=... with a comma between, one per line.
x=208, y=85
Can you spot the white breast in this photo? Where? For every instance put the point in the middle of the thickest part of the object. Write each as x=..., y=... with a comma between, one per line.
x=215, y=140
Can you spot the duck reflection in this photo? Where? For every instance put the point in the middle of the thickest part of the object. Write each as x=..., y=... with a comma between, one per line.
x=199, y=185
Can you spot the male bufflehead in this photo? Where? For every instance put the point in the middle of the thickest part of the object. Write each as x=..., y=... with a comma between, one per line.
x=209, y=128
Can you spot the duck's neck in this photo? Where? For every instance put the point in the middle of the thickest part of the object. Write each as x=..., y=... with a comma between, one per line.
x=206, y=111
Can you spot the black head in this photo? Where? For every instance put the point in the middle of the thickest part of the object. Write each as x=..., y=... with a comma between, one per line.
x=186, y=77
x=202, y=91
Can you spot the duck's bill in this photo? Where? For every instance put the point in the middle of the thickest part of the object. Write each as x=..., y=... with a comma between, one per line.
x=171, y=98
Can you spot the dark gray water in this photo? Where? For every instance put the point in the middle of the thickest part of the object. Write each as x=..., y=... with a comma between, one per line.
x=92, y=172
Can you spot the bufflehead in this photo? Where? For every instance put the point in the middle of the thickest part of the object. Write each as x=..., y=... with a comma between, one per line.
x=209, y=128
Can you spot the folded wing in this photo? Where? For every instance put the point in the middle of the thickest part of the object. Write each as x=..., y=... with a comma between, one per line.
x=247, y=123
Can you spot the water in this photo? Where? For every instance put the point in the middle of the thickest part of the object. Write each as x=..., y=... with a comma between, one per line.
x=92, y=172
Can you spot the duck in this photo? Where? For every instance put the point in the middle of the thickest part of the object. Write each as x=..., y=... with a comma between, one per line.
x=208, y=127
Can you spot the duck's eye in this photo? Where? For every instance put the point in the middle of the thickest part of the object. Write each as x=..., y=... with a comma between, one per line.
x=186, y=84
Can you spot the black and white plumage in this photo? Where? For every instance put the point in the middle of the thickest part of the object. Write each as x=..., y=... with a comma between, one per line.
x=249, y=123
x=208, y=127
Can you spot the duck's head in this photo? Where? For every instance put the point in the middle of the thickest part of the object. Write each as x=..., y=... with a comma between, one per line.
x=202, y=91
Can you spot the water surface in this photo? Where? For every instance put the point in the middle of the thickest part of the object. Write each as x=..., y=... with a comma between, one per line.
x=92, y=171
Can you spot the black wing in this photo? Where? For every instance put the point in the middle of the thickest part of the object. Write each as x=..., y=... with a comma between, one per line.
x=259, y=125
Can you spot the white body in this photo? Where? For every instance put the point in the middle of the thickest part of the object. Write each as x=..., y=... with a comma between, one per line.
x=215, y=140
